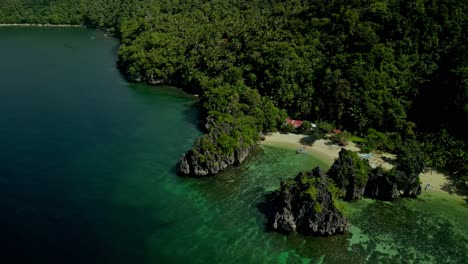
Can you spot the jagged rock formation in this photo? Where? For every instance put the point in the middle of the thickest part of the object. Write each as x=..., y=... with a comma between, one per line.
x=381, y=185
x=307, y=205
x=210, y=154
x=355, y=178
x=350, y=174
x=195, y=163
x=410, y=164
x=409, y=183
x=389, y=185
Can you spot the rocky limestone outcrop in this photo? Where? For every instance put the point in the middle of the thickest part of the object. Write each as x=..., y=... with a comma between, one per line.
x=381, y=185
x=306, y=205
x=194, y=163
x=208, y=156
x=200, y=160
x=413, y=190
x=409, y=184
x=355, y=178
x=389, y=185
x=350, y=174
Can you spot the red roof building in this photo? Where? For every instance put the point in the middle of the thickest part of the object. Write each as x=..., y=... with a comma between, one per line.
x=295, y=123
x=336, y=131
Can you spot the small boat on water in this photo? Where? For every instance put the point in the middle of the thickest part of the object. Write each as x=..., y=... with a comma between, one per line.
x=365, y=156
x=299, y=151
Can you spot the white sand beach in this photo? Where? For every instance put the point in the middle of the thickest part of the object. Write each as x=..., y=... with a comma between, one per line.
x=321, y=148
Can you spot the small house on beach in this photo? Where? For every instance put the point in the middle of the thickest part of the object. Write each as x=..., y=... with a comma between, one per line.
x=336, y=131
x=295, y=123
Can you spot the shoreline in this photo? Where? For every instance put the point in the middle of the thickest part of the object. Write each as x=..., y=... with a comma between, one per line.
x=439, y=184
x=321, y=149
x=39, y=25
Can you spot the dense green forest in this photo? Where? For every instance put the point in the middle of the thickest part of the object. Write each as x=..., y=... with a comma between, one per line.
x=398, y=68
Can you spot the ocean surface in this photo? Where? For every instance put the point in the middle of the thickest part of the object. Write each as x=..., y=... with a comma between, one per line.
x=87, y=175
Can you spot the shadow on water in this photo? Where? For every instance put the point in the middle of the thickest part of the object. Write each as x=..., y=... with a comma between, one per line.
x=192, y=115
x=173, y=170
x=268, y=211
x=160, y=90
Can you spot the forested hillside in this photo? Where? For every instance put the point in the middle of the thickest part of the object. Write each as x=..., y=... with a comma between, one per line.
x=399, y=67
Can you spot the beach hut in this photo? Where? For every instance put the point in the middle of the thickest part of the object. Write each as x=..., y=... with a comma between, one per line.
x=336, y=131
x=295, y=123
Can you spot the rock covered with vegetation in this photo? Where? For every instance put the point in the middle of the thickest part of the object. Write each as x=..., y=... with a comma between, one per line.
x=307, y=205
x=350, y=174
x=236, y=116
x=410, y=163
x=400, y=181
x=212, y=153
x=355, y=178
x=382, y=185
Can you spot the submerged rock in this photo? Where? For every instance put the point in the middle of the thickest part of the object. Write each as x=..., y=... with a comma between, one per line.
x=307, y=205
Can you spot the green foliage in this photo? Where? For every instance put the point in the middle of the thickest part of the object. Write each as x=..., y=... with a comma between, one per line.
x=351, y=174
x=306, y=127
x=340, y=139
x=411, y=158
x=410, y=163
x=325, y=127
x=445, y=152
x=108, y=14
x=318, y=208
x=361, y=169
x=235, y=116
x=287, y=128
x=349, y=171
x=326, y=61
x=312, y=136
x=312, y=186
x=374, y=140
x=335, y=193
x=356, y=139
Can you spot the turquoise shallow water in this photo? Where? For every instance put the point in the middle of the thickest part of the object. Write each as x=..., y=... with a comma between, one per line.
x=87, y=175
